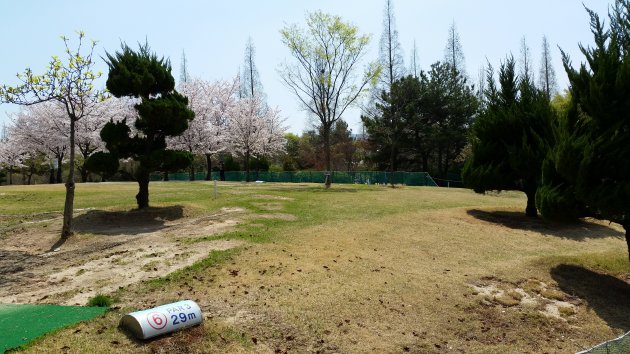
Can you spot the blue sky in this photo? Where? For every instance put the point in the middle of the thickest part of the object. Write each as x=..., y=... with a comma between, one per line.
x=213, y=34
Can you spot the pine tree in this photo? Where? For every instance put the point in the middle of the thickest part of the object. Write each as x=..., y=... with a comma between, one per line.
x=162, y=112
x=386, y=130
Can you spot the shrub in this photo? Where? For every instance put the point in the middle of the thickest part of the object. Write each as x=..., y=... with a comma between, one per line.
x=100, y=300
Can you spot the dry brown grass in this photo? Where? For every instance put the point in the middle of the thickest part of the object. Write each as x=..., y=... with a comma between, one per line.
x=392, y=281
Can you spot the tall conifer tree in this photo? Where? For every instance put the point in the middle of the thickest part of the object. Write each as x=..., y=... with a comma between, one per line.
x=587, y=172
x=510, y=137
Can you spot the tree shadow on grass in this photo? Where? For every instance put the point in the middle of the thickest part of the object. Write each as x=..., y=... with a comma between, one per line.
x=608, y=296
x=132, y=222
x=579, y=231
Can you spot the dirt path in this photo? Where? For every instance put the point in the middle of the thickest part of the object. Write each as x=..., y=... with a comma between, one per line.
x=110, y=250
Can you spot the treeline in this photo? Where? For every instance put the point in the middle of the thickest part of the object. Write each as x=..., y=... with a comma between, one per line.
x=420, y=120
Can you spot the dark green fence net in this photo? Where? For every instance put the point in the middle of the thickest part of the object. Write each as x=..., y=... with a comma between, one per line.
x=362, y=177
x=619, y=345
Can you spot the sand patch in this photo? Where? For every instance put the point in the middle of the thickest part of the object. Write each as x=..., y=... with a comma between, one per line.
x=114, y=249
x=276, y=216
x=271, y=197
x=530, y=294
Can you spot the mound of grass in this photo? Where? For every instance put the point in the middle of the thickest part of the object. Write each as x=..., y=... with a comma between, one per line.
x=100, y=300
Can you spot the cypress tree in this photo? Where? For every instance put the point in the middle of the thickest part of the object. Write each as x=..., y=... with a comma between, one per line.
x=510, y=137
x=587, y=172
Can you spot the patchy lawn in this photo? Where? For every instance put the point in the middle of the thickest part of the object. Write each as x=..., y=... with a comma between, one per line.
x=298, y=268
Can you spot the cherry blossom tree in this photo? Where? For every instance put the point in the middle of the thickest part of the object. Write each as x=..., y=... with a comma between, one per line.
x=252, y=134
x=11, y=155
x=207, y=134
x=40, y=128
x=274, y=140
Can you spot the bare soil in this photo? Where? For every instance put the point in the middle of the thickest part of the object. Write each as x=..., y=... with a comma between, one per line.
x=110, y=249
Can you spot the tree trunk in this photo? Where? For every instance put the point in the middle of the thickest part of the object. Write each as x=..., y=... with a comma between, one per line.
x=257, y=169
x=446, y=166
x=166, y=176
x=10, y=174
x=392, y=167
x=222, y=171
x=439, y=158
x=52, y=175
x=626, y=226
x=142, y=198
x=59, y=161
x=247, y=166
x=425, y=162
x=192, y=171
x=209, y=164
x=68, y=209
x=84, y=174
x=530, y=210
x=328, y=181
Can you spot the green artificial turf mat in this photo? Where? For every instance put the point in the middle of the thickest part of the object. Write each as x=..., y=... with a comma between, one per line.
x=20, y=324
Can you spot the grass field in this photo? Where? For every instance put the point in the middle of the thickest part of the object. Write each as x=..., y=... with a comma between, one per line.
x=353, y=269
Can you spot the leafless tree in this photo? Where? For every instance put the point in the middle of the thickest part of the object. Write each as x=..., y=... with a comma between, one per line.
x=251, y=85
x=390, y=54
x=526, y=70
x=547, y=78
x=184, y=75
x=414, y=67
x=453, y=53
